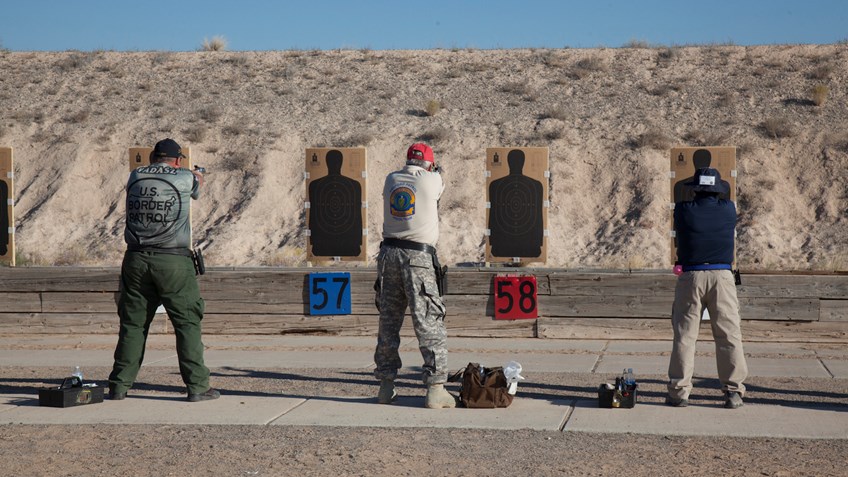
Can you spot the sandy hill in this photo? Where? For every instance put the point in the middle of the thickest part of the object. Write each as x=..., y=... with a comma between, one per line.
x=608, y=116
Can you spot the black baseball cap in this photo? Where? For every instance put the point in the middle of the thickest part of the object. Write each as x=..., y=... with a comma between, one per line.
x=167, y=148
x=708, y=179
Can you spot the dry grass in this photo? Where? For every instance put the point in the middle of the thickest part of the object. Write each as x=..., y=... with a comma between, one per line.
x=195, y=134
x=73, y=61
x=217, y=43
x=210, y=114
x=700, y=137
x=432, y=107
x=77, y=117
x=519, y=88
x=586, y=67
x=652, y=138
x=357, y=139
x=821, y=72
x=819, y=94
x=777, y=127
x=434, y=135
x=555, y=112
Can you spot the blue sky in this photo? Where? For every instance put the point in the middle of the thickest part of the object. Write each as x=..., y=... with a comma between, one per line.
x=181, y=25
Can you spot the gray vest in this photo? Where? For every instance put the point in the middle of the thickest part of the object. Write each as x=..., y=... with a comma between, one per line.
x=158, y=199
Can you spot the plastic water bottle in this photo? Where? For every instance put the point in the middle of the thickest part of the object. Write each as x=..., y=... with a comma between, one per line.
x=77, y=372
x=512, y=372
x=629, y=378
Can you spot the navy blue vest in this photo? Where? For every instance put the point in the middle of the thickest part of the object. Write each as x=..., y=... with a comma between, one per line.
x=705, y=229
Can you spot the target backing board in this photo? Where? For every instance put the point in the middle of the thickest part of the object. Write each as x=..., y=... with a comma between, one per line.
x=335, y=204
x=517, y=204
x=7, y=207
x=684, y=162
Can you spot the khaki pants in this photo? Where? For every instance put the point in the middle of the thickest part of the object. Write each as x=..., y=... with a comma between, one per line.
x=715, y=290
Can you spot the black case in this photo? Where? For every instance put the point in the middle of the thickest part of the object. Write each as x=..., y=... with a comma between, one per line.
x=628, y=398
x=71, y=393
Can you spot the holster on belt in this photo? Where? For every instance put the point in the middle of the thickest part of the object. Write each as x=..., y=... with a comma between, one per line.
x=197, y=259
x=441, y=276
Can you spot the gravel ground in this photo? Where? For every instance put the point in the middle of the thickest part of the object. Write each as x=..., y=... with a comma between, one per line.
x=272, y=450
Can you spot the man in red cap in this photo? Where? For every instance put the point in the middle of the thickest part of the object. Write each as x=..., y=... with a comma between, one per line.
x=408, y=274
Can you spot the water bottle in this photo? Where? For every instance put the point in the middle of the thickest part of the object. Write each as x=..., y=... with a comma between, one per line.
x=512, y=372
x=629, y=378
x=77, y=373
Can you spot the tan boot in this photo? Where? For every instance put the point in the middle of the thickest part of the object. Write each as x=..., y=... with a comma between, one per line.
x=387, y=392
x=438, y=397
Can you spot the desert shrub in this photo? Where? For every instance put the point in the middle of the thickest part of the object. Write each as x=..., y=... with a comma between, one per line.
x=73, y=61
x=434, y=135
x=516, y=87
x=160, y=58
x=652, y=138
x=217, y=43
x=666, y=55
x=195, y=134
x=819, y=94
x=665, y=89
x=777, y=127
x=587, y=66
x=821, y=72
x=235, y=129
x=357, y=139
x=77, y=117
x=432, y=107
x=636, y=44
x=699, y=137
x=210, y=114
x=554, y=112
x=725, y=99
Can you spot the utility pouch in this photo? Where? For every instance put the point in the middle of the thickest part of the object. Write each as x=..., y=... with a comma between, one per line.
x=197, y=258
x=737, y=277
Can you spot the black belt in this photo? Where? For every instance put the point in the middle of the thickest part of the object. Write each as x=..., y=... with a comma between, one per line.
x=409, y=245
x=185, y=252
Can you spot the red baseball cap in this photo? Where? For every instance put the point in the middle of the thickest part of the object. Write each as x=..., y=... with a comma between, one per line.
x=421, y=152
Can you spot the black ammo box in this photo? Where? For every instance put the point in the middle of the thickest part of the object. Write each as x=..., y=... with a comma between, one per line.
x=71, y=393
x=626, y=400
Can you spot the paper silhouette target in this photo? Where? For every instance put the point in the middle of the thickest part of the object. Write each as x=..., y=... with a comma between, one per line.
x=7, y=209
x=684, y=162
x=517, y=215
x=335, y=186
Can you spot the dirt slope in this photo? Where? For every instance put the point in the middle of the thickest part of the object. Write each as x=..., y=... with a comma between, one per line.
x=608, y=116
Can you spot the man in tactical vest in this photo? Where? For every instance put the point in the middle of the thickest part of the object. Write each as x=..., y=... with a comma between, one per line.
x=407, y=270
x=158, y=268
x=705, y=229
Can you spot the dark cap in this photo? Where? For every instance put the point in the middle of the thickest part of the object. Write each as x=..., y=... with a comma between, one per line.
x=708, y=179
x=166, y=148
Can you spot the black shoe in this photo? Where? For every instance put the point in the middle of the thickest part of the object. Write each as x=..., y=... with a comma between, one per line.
x=674, y=402
x=733, y=400
x=207, y=395
x=116, y=396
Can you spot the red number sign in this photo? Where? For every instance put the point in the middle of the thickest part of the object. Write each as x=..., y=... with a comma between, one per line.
x=515, y=297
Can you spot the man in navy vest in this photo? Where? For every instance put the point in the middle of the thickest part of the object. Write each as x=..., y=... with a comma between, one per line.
x=705, y=229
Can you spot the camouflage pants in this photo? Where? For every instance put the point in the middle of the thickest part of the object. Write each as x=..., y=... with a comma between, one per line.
x=407, y=278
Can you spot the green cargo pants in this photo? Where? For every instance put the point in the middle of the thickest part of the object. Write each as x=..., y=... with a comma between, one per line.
x=148, y=279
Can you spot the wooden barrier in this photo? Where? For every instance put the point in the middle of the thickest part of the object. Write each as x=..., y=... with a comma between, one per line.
x=586, y=305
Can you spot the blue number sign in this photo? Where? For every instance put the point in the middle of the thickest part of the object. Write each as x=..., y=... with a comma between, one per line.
x=329, y=293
